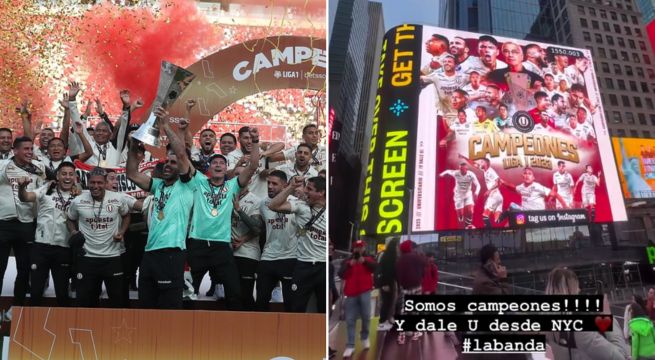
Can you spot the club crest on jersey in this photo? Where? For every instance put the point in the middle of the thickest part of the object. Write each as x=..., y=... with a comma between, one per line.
x=79, y=276
x=33, y=267
x=294, y=287
x=110, y=208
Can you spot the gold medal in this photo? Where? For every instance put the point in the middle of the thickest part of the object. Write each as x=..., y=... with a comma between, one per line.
x=302, y=232
x=214, y=212
x=160, y=216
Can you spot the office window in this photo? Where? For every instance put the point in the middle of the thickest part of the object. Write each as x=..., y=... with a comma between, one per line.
x=631, y=43
x=616, y=117
x=603, y=14
x=598, y=38
x=613, y=54
x=621, y=84
x=620, y=132
x=613, y=15
x=628, y=31
x=583, y=23
x=633, y=85
x=644, y=87
x=601, y=52
x=605, y=67
x=625, y=100
x=594, y=24
x=634, y=133
x=628, y=70
x=581, y=10
x=620, y=41
x=629, y=118
x=646, y=59
x=618, y=5
x=649, y=103
x=617, y=69
x=624, y=56
x=637, y=102
x=592, y=11
x=635, y=58
x=586, y=36
x=642, y=119
x=624, y=17
x=642, y=45
x=640, y=72
x=610, y=40
x=628, y=7
x=651, y=74
x=647, y=134
x=609, y=84
x=634, y=20
x=652, y=119
x=613, y=100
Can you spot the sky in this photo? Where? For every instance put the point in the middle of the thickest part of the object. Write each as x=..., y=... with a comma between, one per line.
x=397, y=12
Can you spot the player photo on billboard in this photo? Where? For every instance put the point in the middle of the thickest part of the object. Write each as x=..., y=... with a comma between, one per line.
x=514, y=125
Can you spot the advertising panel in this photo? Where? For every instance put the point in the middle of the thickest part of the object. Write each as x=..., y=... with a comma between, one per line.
x=635, y=159
x=501, y=133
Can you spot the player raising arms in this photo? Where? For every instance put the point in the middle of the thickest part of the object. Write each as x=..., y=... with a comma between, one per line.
x=494, y=202
x=464, y=180
x=589, y=182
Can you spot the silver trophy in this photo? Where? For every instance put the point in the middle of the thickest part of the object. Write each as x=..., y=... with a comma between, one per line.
x=173, y=80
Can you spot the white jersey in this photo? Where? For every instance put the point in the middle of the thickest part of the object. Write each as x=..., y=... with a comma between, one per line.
x=6, y=156
x=281, y=238
x=561, y=120
x=463, y=182
x=310, y=224
x=249, y=249
x=291, y=171
x=99, y=221
x=51, y=226
x=436, y=58
x=564, y=184
x=533, y=196
x=10, y=206
x=491, y=178
x=582, y=131
x=462, y=131
x=53, y=165
x=530, y=66
x=318, y=156
x=478, y=93
x=573, y=75
x=588, y=183
x=445, y=84
x=257, y=184
x=39, y=154
x=105, y=156
x=474, y=63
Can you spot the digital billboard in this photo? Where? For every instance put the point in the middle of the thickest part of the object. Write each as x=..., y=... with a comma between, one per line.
x=495, y=132
x=635, y=159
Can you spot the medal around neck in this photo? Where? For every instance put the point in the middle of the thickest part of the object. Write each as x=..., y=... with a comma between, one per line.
x=173, y=80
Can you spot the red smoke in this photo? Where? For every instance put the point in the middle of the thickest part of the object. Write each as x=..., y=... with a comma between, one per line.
x=122, y=48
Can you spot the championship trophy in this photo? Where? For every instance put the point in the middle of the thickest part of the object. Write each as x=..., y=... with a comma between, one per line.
x=173, y=80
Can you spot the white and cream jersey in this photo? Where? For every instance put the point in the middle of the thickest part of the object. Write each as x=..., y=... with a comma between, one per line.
x=99, y=221
x=478, y=93
x=249, y=204
x=462, y=131
x=463, y=182
x=310, y=224
x=290, y=170
x=533, y=196
x=530, y=66
x=51, y=226
x=582, y=131
x=564, y=184
x=257, y=184
x=474, y=63
x=491, y=179
x=445, y=84
x=281, y=233
x=589, y=182
x=318, y=156
x=104, y=156
x=427, y=69
x=11, y=207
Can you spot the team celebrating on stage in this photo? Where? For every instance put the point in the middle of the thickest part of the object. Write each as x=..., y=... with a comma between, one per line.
x=481, y=99
x=252, y=216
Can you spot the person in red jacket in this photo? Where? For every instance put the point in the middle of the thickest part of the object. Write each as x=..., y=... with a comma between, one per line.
x=357, y=274
x=430, y=276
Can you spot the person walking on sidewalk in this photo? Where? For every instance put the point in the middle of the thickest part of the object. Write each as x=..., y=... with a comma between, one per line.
x=409, y=271
x=642, y=333
x=357, y=273
x=385, y=280
x=430, y=276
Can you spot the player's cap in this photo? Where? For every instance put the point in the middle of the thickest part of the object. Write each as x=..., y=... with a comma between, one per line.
x=211, y=158
x=359, y=243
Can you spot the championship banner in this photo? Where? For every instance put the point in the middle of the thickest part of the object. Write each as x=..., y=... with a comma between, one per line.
x=222, y=78
x=498, y=127
x=124, y=184
x=635, y=159
x=390, y=169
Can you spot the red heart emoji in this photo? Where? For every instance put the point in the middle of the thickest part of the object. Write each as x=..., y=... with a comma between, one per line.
x=603, y=323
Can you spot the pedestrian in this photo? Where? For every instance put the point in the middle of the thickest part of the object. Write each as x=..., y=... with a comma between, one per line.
x=409, y=271
x=430, y=276
x=386, y=281
x=642, y=333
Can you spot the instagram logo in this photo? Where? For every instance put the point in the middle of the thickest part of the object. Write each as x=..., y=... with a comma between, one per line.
x=520, y=219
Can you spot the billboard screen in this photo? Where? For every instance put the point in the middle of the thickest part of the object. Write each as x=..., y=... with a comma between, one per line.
x=635, y=159
x=498, y=132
